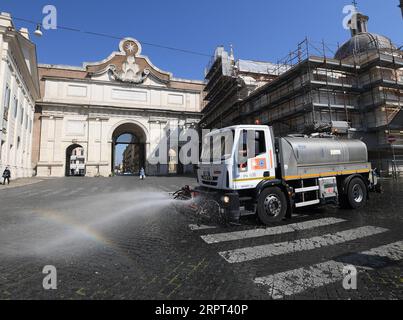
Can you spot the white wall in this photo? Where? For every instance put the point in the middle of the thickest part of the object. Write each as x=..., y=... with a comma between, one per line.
x=104, y=94
x=17, y=141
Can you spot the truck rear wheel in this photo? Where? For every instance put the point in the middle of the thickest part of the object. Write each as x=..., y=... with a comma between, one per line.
x=356, y=194
x=272, y=205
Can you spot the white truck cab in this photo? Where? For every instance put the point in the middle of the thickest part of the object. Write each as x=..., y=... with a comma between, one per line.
x=231, y=166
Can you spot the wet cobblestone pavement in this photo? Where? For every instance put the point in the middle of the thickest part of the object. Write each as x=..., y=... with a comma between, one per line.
x=121, y=238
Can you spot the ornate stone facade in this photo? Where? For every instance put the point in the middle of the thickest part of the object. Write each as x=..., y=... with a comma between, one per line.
x=93, y=105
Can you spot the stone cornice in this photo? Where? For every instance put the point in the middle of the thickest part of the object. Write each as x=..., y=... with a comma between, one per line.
x=124, y=85
x=27, y=93
x=15, y=51
x=98, y=118
x=52, y=117
x=125, y=109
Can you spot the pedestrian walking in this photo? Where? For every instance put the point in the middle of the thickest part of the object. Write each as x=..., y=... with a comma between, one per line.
x=6, y=176
x=142, y=174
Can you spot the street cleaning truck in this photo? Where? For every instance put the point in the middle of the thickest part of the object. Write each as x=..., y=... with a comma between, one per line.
x=271, y=177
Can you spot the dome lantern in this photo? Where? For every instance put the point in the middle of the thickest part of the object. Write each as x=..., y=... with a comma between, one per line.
x=358, y=23
x=361, y=40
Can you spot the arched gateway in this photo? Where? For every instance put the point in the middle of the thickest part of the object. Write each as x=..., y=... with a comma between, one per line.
x=121, y=104
x=128, y=149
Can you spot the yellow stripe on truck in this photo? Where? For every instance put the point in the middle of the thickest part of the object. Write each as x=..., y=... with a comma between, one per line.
x=326, y=174
x=307, y=176
x=253, y=179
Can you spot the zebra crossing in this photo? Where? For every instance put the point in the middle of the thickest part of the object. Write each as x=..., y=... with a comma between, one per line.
x=295, y=281
x=270, y=250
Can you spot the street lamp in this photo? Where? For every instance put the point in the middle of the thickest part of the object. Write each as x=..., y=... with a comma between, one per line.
x=38, y=32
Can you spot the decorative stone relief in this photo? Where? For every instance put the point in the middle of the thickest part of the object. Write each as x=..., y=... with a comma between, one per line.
x=130, y=70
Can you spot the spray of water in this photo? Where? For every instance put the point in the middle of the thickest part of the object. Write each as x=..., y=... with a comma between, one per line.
x=75, y=225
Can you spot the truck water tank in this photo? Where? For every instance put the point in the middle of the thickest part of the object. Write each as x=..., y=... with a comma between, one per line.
x=322, y=151
x=304, y=158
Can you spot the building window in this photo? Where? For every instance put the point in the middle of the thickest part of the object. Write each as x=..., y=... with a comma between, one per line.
x=15, y=107
x=6, y=102
x=3, y=143
x=22, y=115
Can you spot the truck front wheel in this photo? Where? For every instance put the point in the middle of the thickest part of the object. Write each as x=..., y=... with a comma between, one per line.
x=356, y=194
x=272, y=205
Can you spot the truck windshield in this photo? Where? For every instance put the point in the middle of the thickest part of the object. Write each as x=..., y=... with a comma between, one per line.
x=218, y=147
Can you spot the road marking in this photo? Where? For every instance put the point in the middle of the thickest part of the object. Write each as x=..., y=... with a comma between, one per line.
x=26, y=192
x=38, y=193
x=256, y=233
x=73, y=192
x=270, y=250
x=296, y=281
x=195, y=227
x=57, y=192
x=68, y=194
x=295, y=215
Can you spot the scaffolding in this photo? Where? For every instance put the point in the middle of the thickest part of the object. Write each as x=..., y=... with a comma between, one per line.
x=309, y=90
x=226, y=87
x=313, y=90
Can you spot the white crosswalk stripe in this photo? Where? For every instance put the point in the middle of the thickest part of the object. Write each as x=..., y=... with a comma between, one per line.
x=255, y=233
x=294, y=215
x=270, y=250
x=70, y=193
x=195, y=227
x=39, y=193
x=299, y=280
x=74, y=191
x=59, y=191
x=24, y=193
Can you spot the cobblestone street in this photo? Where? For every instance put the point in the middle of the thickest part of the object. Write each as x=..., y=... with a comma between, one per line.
x=121, y=238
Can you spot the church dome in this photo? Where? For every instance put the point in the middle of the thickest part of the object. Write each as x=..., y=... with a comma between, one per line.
x=364, y=42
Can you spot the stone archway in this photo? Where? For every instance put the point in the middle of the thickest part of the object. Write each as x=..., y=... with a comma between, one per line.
x=128, y=149
x=75, y=161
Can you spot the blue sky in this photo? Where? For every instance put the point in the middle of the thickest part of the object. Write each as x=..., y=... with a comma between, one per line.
x=258, y=29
